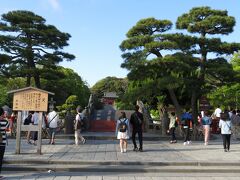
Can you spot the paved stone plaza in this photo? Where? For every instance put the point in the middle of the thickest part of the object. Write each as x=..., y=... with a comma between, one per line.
x=101, y=159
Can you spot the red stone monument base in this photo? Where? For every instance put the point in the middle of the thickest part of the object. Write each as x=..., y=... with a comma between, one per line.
x=103, y=125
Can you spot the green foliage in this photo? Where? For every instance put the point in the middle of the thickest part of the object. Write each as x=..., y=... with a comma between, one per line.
x=226, y=96
x=3, y=95
x=70, y=84
x=235, y=61
x=30, y=48
x=186, y=73
x=205, y=20
x=155, y=114
x=110, y=84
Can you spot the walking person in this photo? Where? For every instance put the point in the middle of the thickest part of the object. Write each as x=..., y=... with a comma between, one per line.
x=206, y=121
x=123, y=131
x=3, y=137
x=187, y=123
x=136, y=120
x=172, y=127
x=77, y=127
x=52, y=120
x=217, y=113
x=225, y=125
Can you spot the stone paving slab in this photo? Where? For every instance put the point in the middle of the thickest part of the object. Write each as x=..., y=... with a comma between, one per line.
x=108, y=150
x=110, y=176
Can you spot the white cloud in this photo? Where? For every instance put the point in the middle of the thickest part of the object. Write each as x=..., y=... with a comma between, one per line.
x=55, y=4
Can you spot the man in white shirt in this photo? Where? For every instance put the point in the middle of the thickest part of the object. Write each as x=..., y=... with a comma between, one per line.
x=52, y=121
x=218, y=112
x=77, y=129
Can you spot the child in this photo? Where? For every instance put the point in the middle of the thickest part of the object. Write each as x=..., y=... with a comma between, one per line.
x=123, y=131
x=225, y=125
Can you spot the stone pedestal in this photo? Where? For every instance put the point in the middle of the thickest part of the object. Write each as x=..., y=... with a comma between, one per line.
x=68, y=123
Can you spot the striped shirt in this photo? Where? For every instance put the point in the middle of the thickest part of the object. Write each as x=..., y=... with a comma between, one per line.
x=3, y=125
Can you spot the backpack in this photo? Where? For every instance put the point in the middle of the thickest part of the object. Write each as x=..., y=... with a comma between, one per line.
x=123, y=125
x=28, y=120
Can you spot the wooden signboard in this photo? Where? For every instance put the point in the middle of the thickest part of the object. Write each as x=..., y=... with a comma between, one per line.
x=30, y=99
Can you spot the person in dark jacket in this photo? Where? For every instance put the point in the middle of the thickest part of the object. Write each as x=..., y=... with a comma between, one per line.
x=3, y=136
x=187, y=125
x=136, y=120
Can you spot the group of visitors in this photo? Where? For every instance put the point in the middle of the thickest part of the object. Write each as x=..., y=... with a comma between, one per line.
x=228, y=122
x=123, y=130
x=50, y=121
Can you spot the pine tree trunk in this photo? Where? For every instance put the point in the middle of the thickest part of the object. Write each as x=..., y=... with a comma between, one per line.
x=37, y=81
x=194, y=112
x=175, y=102
x=28, y=83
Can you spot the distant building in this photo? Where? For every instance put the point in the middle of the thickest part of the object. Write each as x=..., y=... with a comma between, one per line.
x=109, y=98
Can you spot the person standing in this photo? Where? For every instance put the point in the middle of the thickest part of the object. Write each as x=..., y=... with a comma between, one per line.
x=187, y=123
x=217, y=112
x=206, y=122
x=52, y=120
x=172, y=127
x=35, y=120
x=136, y=120
x=235, y=120
x=77, y=127
x=28, y=121
x=225, y=125
x=3, y=137
x=123, y=131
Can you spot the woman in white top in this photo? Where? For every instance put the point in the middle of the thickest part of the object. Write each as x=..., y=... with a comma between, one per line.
x=225, y=125
x=123, y=131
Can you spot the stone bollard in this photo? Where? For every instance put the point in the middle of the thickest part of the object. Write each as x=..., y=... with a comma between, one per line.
x=68, y=123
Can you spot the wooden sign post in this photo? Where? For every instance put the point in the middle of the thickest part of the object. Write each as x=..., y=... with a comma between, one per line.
x=29, y=99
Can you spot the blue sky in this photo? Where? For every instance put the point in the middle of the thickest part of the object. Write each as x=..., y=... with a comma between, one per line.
x=98, y=27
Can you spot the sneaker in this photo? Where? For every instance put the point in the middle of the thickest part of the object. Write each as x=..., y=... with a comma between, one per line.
x=175, y=141
x=225, y=150
x=189, y=142
x=124, y=150
x=140, y=150
x=135, y=149
x=121, y=151
x=185, y=143
x=84, y=141
x=206, y=143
